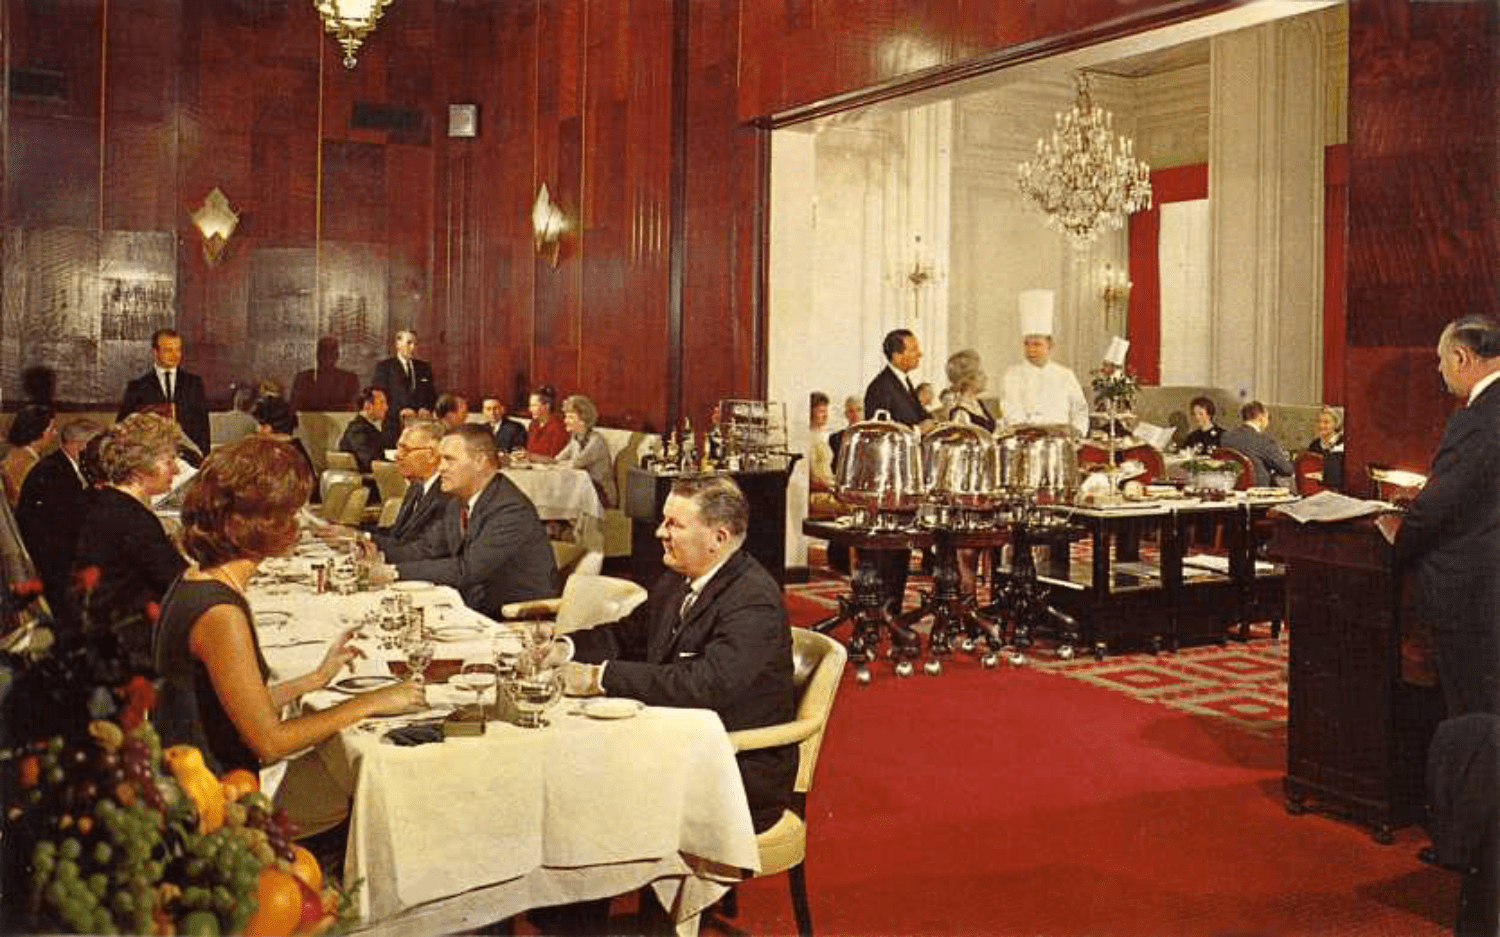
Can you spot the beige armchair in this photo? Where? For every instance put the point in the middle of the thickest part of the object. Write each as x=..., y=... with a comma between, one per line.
x=818, y=662
x=587, y=600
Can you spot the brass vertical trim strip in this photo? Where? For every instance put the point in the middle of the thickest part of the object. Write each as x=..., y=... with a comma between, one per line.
x=318, y=193
x=103, y=99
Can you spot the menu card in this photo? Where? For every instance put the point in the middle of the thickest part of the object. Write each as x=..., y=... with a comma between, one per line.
x=1330, y=506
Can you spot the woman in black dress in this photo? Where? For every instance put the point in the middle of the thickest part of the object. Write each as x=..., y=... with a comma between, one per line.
x=122, y=547
x=242, y=509
x=1206, y=433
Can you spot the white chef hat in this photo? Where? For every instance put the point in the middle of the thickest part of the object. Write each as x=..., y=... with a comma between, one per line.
x=1036, y=312
x=1114, y=353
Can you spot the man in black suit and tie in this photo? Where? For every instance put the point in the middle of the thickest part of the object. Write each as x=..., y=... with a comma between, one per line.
x=1267, y=459
x=509, y=435
x=1450, y=536
x=167, y=386
x=365, y=437
x=407, y=382
x=53, y=503
x=892, y=391
x=490, y=545
x=712, y=635
x=425, y=502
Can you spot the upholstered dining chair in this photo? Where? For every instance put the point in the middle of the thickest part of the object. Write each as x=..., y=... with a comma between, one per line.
x=389, y=482
x=335, y=496
x=339, y=459
x=1246, y=477
x=587, y=600
x=1309, y=473
x=817, y=662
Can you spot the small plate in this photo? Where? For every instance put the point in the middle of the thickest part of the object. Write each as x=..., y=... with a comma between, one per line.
x=610, y=707
x=363, y=683
x=412, y=585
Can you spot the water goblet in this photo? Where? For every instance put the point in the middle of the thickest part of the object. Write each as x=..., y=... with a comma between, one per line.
x=477, y=676
x=533, y=696
x=418, y=649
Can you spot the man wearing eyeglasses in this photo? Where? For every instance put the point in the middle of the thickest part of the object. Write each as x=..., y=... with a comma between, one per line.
x=425, y=500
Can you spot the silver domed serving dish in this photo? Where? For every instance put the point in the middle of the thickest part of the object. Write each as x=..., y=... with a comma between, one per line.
x=879, y=469
x=1039, y=460
x=961, y=466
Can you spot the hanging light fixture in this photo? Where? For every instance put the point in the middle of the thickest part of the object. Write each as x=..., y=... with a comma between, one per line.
x=1085, y=178
x=350, y=21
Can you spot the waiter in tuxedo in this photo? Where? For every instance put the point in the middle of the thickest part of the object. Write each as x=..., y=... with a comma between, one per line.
x=407, y=382
x=490, y=544
x=1450, y=536
x=167, y=386
x=54, y=500
x=892, y=391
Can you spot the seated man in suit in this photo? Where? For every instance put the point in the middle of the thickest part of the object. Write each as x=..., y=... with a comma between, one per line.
x=509, y=434
x=364, y=437
x=425, y=502
x=713, y=634
x=1269, y=462
x=53, y=502
x=451, y=410
x=490, y=544
x=167, y=384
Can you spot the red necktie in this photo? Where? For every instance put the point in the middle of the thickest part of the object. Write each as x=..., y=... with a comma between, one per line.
x=463, y=518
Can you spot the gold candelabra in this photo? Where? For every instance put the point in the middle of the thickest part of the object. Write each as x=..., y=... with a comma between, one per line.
x=1115, y=290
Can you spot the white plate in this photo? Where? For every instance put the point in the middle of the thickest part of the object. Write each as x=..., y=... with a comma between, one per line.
x=607, y=707
x=453, y=633
x=363, y=683
x=412, y=585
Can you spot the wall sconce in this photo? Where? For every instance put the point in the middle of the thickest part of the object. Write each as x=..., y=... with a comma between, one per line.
x=350, y=21
x=216, y=222
x=549, y=224
x=1115, y=283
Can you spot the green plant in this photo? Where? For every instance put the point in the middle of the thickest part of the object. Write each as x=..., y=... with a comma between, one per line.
x=1115, y=385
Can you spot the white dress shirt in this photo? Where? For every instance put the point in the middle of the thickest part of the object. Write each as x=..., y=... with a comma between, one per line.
x=1044, y=395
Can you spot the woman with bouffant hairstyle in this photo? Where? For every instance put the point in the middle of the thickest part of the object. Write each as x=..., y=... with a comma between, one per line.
x=242, y=509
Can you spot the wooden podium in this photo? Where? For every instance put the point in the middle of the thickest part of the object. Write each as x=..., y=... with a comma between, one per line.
x=1357, y=726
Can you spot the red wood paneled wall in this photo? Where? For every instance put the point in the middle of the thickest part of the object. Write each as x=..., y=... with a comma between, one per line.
x=646, y=119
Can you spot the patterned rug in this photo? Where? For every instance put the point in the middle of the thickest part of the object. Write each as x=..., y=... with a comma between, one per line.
x=1240, y=683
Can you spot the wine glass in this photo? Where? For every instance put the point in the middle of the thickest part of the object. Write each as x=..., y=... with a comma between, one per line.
x=536, y=644
x=533, y=696
x=418, y=649
x=477, y=676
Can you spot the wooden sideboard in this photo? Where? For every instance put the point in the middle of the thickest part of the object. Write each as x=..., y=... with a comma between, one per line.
x=1357, y=727
x=646, y=492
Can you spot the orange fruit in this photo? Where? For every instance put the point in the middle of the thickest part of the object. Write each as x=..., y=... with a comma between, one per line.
x=305, y=867
x=279, y=905
x=238, y=783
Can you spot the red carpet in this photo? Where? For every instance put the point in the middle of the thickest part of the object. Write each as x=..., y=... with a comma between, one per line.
x=1011, y=802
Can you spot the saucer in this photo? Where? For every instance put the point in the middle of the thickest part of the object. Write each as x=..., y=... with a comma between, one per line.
x=609, y=707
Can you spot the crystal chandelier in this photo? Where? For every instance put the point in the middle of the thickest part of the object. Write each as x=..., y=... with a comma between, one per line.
x=1085, y=178
x=350, y=21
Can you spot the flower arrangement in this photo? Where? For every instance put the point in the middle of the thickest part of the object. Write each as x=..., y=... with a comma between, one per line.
x=1116, y=387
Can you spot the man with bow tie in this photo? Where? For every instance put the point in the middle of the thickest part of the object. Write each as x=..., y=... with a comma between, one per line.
x=166, y=387
x=712, y=635
x=490, y=545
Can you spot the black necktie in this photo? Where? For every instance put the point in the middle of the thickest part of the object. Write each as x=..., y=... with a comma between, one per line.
x=414, y=493
x=411, y=380
x=167, y=376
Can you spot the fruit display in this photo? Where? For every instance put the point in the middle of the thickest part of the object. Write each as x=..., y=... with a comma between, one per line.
x=117, y=845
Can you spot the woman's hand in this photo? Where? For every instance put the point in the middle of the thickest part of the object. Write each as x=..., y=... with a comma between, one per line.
x=339, y=654
x=392, y=700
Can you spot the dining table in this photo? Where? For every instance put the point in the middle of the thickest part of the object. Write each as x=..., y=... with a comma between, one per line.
x=562, y=493
x=460, y=833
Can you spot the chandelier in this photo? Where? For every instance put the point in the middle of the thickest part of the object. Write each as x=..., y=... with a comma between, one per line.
x=1085, y=177
x=350, y=21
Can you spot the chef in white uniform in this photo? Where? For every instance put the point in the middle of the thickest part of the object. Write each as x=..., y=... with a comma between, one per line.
x=1040, y=391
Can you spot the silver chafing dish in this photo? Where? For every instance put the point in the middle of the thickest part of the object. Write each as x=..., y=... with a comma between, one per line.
x=1041, y=461
x=879, y=472
x=961, y=470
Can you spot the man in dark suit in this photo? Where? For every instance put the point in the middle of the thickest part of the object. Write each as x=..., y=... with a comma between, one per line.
x=425, y=502
x=713, y=635
x=167, y=386
x=1450, y=536
x=1267, y=458
x=892, y=389
x=509, y=434
x=365, y=437
x=407, y=382
x=893, y=392
x=327, y=386
x=50, y=513
x=490, y=545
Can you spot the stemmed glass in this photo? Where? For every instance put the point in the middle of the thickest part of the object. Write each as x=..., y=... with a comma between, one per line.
x=477, y=676
x=536, y=643
x=418, y=649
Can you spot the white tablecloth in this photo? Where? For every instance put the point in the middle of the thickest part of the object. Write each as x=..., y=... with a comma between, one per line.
x=453, y=835
x=559, y=493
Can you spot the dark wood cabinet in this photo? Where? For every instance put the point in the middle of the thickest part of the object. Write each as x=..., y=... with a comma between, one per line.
x=646, y=492
x=1357, y=727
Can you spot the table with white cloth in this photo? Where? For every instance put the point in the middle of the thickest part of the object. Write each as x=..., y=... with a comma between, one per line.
x=561, y=493
x=476, y=829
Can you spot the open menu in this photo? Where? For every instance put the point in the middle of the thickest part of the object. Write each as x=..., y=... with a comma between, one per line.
x=1330, y=506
